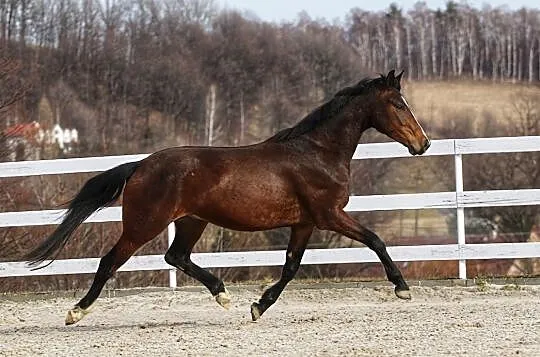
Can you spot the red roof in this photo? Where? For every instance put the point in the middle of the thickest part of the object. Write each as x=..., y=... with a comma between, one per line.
x=22, y=130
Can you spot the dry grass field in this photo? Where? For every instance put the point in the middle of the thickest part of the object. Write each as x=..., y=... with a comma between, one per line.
x=435, y=99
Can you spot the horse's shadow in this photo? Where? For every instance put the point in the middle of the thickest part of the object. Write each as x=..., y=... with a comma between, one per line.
x=111, y=327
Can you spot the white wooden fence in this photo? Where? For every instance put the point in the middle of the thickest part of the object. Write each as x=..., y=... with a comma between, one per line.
x=458, y=199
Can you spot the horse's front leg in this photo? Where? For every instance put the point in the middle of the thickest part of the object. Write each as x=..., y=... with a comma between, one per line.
x=342, y=223
x=297, y=245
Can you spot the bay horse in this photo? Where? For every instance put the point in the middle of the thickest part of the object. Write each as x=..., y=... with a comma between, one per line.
x=298, y=178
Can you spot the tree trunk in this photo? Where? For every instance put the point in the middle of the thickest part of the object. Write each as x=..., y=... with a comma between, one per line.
x=461, y=50
x=474, y=49
x=423, y=52
x=520, y=67
x=397, y=38
x=210, y=114
x=442, y=56
x=23, y=24
x=509, y=56
x=433, y=47
x=453, y=52
x=515, y=57
x=11, y=19
x=409, y=53
x=385, y=52
x=242, y=118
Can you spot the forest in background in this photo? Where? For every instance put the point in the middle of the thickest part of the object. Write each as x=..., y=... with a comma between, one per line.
x=136, y=76
x=132, y=73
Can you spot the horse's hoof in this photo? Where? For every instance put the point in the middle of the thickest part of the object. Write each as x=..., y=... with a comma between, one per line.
x=75, y=315
x=224, y=299
x=403, y=294
x=255, y=312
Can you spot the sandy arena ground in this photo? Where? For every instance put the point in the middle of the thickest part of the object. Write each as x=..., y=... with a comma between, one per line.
x=361, y=321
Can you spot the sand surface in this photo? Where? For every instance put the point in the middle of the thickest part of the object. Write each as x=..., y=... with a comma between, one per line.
x=360, y=321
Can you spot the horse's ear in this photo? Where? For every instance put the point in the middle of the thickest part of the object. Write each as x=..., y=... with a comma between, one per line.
x=393, y=81
x=398, y=77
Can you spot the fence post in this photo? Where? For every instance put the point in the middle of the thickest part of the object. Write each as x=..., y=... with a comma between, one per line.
x=170, y=237
x=460, y=212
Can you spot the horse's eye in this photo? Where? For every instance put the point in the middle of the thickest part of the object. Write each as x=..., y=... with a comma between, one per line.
x=398, y=105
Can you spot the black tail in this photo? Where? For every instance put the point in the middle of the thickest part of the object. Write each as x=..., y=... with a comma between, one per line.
x=98, y=192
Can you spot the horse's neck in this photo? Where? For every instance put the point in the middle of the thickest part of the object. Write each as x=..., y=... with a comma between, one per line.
x=340, y=135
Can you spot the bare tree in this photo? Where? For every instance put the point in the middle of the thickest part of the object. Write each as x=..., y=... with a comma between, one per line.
x=421, y=19
x=12, y=86
x=13, y=89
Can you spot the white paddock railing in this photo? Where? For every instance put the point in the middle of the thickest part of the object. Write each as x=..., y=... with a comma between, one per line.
x=458, y=200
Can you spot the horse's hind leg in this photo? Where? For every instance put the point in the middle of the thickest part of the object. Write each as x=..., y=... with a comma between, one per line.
x=297, y=245
x=130, y=241
x=188, y=231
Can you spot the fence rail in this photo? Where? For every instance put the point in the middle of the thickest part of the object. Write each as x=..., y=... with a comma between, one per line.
x=458, y=199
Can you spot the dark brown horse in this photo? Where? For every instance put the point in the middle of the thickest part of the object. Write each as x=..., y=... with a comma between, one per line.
x=298, y=178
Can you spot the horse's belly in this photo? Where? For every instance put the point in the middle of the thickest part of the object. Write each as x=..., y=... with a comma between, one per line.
x=250, y=215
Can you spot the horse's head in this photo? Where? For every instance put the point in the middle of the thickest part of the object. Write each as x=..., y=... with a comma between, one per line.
x=393, y=116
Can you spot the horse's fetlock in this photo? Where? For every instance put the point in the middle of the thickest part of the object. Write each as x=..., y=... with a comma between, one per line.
x=218, y=288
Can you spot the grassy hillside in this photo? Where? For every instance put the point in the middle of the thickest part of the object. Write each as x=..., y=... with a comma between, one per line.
x=435, y=100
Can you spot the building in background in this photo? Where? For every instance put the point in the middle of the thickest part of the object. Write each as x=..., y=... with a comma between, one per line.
x=31, y=141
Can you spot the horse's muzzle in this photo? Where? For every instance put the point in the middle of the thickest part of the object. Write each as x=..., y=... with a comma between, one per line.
x=419, y=149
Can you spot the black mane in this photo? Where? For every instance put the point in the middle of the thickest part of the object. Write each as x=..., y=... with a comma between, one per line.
x=329, y=109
